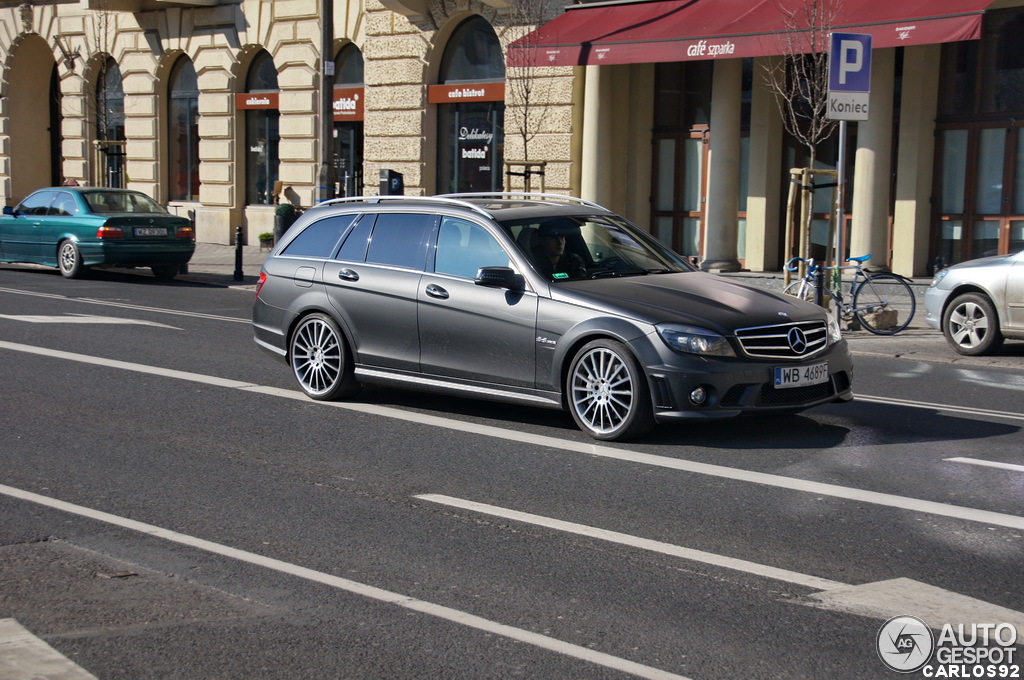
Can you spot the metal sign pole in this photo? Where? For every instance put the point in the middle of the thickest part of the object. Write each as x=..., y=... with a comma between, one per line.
x=840, y=213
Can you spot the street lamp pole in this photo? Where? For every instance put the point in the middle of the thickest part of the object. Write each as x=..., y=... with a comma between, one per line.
x=325, y=178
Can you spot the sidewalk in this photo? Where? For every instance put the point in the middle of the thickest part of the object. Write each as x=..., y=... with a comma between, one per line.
x=214, y=263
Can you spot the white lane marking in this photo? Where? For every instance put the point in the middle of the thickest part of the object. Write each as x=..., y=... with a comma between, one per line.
x=946, y=408
x=723, y=561
x=988, y=463
x=881, y=599
x=123, y=305
x=23, y=655
x=354, y=587
x=83, y=318
x=936, y=606
x=593, y=449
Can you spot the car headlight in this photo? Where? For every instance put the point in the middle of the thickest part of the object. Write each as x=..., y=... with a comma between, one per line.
x=835, y=334
x=941, y=274
x=694, y=340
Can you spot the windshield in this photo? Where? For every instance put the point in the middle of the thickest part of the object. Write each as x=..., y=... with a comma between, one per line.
x=599, y=246
x=121, y=202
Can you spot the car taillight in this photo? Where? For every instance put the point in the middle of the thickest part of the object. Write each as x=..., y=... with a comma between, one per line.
x=259, y=284
x=109, y=232
x=185, y=232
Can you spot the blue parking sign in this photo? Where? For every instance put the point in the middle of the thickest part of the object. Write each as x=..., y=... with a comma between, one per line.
x=849, y=76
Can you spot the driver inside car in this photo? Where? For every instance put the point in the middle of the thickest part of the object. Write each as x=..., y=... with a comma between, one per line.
x=550, y=256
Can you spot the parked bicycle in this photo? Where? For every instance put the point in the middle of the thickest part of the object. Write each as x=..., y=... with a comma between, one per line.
x=882, y=303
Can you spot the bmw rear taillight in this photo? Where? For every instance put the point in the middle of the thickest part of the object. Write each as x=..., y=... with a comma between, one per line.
x=185, y=232
x=109, y=232
x=259, y=284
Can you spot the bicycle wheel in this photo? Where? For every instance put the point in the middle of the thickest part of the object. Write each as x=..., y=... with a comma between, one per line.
x=884, y=304
x=800, y=289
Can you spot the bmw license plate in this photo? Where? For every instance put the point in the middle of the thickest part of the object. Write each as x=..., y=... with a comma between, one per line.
x=150, y=231
x=799, y=376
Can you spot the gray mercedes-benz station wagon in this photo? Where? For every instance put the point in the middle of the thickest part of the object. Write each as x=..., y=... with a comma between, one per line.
x=535, y=299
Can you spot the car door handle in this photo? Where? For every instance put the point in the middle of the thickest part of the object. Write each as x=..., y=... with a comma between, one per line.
x=436, y=291
x=348, y=275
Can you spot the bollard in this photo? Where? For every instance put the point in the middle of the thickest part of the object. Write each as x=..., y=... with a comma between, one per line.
x=238, y=254
x=819, y=287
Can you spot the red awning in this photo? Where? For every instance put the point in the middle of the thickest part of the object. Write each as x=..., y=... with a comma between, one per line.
x=681, y=30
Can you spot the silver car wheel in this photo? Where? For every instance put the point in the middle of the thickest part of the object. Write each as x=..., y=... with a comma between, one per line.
x=607, y=395
x=320, y=359
x=69, y=260
x=971, y=326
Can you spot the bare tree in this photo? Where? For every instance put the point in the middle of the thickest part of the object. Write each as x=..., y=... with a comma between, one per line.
x=799, y=81
x=527, y=88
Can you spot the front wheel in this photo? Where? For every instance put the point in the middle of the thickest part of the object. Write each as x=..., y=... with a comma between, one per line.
x=69, y=260
x=884, y=304
x=607, y=392
x=971, y=325
x=321, y=360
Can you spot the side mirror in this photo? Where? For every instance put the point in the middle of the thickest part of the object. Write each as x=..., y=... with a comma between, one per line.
x=8, y=210
x=499, y=277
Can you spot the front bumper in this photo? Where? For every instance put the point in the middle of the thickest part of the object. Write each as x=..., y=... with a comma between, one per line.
x=743, y=387
x=934, y=300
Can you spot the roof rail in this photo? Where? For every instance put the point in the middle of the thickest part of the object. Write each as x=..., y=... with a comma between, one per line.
x=522, y=194
x=446, y=200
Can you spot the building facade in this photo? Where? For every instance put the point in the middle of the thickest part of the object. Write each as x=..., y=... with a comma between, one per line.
x=217, y=109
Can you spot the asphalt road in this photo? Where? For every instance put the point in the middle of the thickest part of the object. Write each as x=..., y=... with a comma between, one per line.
x=172, y=507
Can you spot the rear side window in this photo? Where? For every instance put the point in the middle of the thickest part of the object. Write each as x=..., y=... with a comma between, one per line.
x=64, y=206
x=320, y=238
x=400, y=240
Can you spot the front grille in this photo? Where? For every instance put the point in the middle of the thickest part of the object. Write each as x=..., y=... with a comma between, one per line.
x=784, y=341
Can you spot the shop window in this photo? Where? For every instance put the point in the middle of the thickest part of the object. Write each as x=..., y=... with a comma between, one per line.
x=262, y=133
x=183, y=132
x=471, y=130
x=979, y=173
x=348, y=121
x=110, y=137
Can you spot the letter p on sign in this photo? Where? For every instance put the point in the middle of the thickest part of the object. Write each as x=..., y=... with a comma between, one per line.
x=852, y=52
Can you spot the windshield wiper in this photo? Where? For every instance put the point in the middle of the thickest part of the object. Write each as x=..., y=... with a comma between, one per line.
x=614, y=273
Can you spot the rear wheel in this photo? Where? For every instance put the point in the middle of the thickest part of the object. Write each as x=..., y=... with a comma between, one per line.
x=69, y=260
x=165, y=272
x=971, y=325
x=607, y=392
x=321, y=360
x=884, y=304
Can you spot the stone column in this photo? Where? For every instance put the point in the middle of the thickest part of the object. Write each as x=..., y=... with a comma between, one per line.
x=764, y=176
x=721, y=222
x=869, y=228
x=595, y=181
x=912, y=214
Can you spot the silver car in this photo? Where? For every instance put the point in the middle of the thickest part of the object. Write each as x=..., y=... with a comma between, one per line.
x=978, y=303
x=543, y=300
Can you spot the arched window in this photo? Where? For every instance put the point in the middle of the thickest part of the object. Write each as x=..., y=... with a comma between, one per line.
x=348, y=120
x=110, y=136
x=183, y=132
x=471, y=110
x=262, y=132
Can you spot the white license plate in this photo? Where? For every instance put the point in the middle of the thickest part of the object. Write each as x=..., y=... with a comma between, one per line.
x=150, y=231
x=798, y=376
